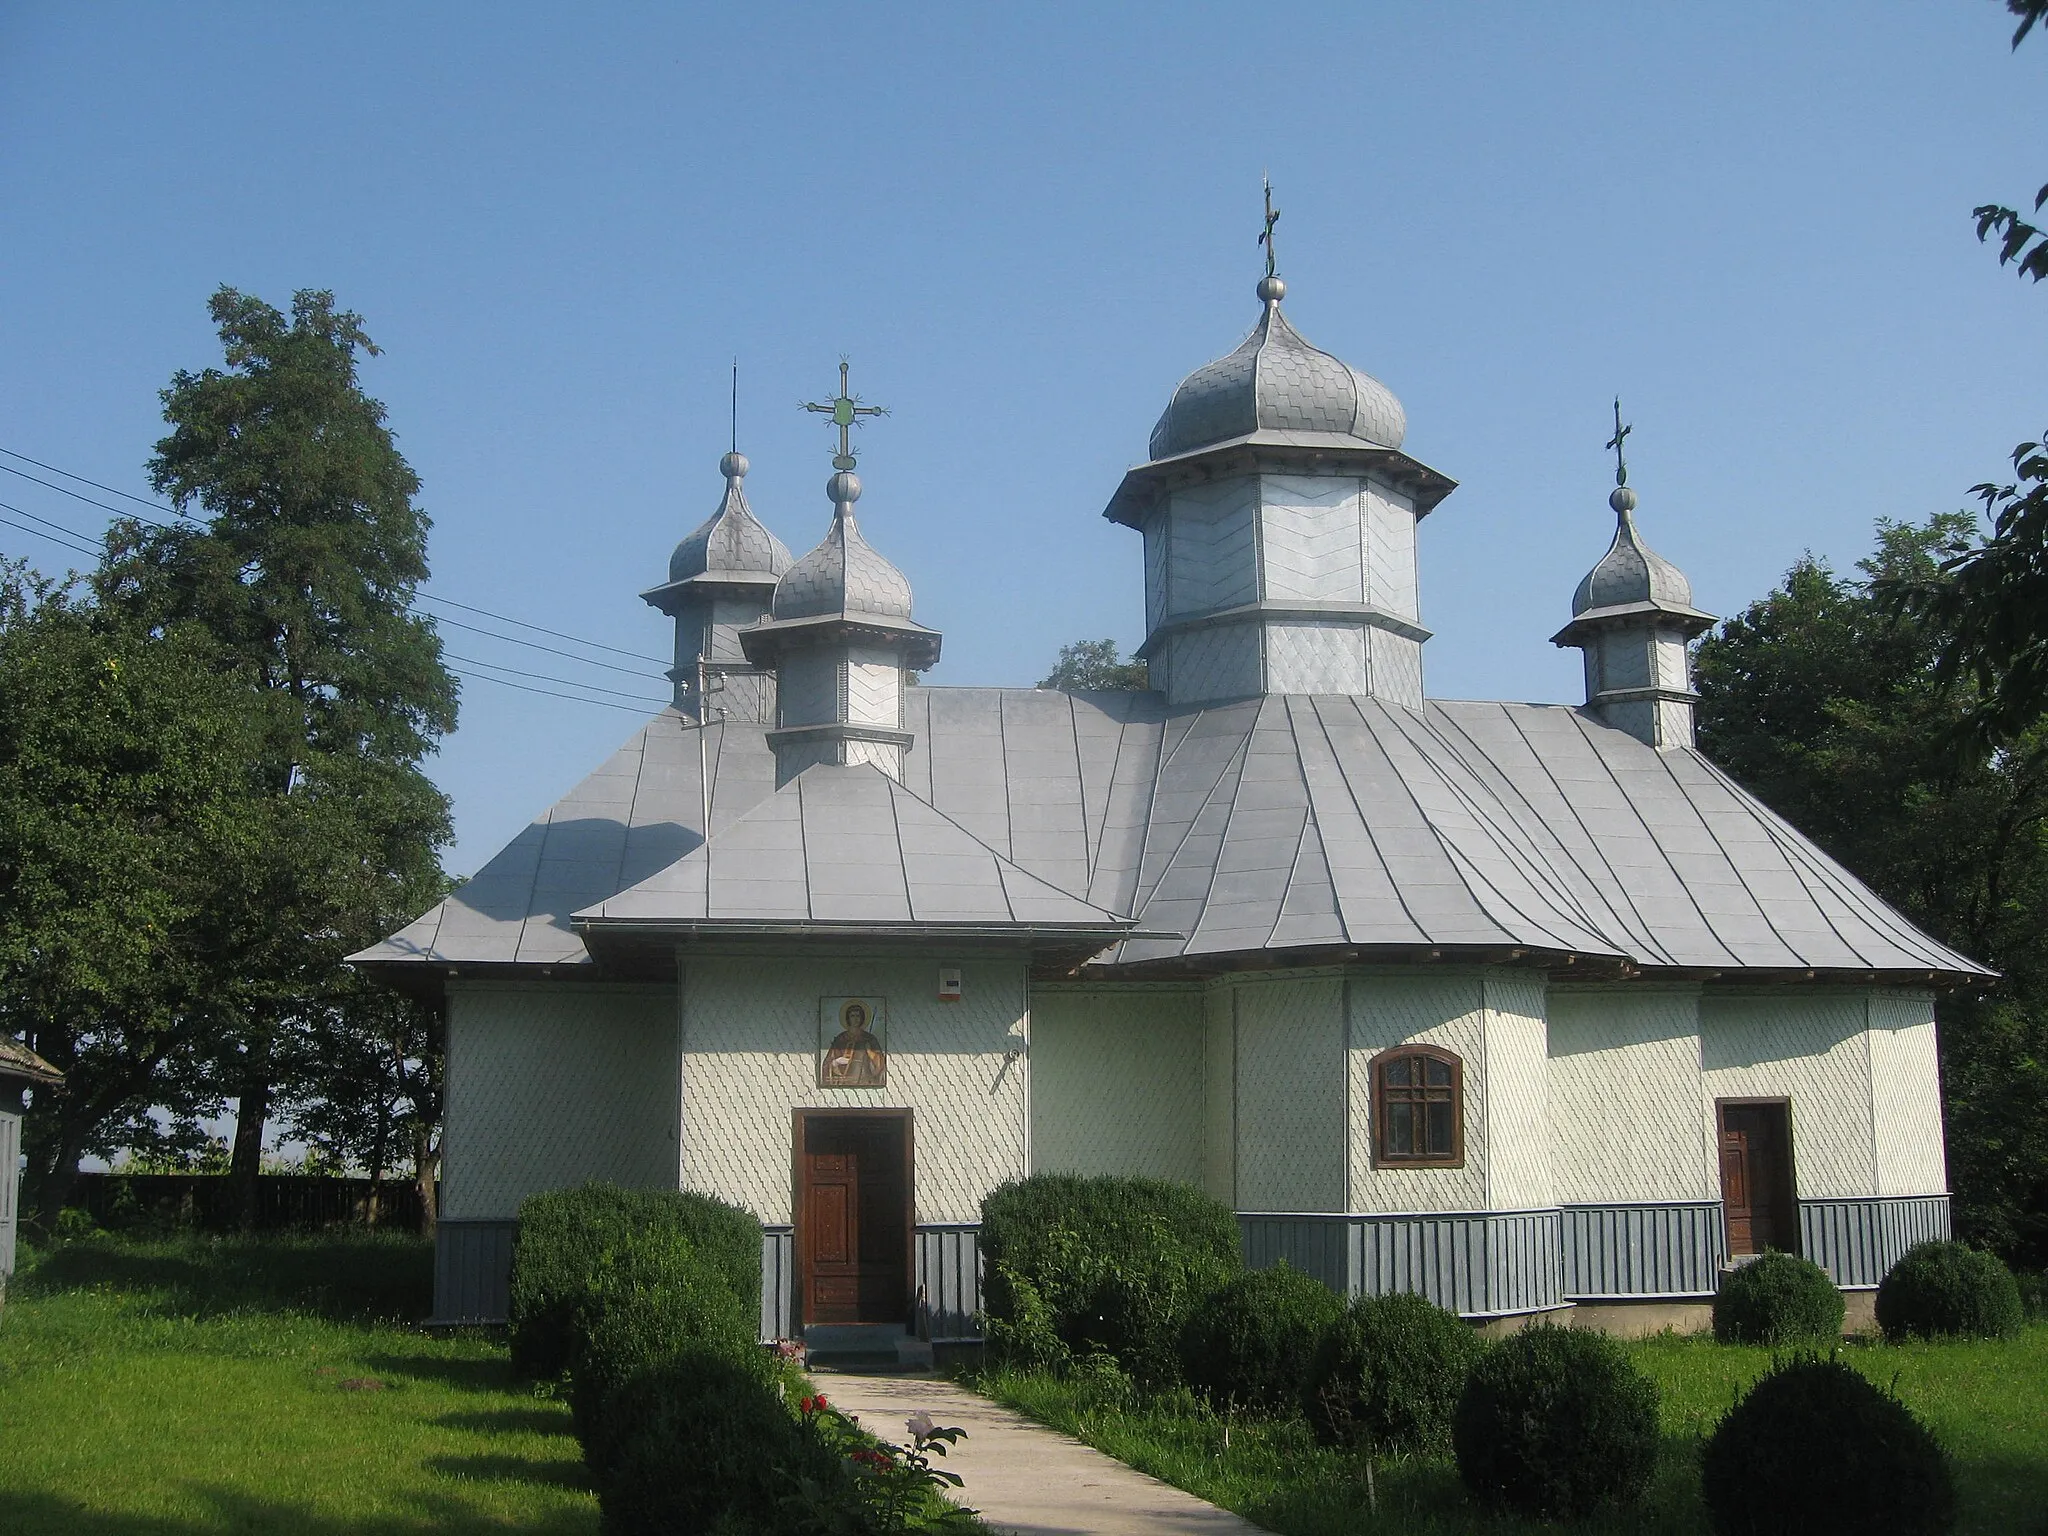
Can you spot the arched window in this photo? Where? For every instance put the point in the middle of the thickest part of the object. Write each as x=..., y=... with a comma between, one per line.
x=1418, y=1108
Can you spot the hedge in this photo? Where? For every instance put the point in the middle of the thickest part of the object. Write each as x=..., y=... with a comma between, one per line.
x=1388, y=1374
x=564, y=1234
x=1250, y=1344
x=1076, y=1266
x=1778, y=1298
x=1944, y=1289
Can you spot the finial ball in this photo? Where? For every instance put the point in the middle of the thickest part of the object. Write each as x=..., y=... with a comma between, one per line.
x=1271, y=290
x=843, y=487
x=1622, y=499
x=733, y=466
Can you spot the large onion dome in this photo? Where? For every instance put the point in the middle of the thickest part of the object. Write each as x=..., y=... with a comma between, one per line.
x=732, y=539
x=1276, y=382
x=844, y=574
x=1631, y=574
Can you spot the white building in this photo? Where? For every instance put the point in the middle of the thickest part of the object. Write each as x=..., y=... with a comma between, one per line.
x=1517, y=1005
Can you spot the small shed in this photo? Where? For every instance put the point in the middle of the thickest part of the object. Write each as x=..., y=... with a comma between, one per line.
x=20, y=1068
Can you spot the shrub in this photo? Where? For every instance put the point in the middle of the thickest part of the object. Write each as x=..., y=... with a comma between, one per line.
x=649, y=1300
x=1814, y=1447
x=1777, y=1299
x=1387, y=1375
x=703, y=1444
x=1116, y=1265
x=563, y=1234
x=1556, y=1421
x=1250, y=1344
x=1943, y=1288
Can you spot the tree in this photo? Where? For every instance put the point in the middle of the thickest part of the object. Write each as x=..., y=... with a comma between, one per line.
x=1833, y=706
x=1991, y=601
x=303, y=574
x=132, y=832
x=1089, y=666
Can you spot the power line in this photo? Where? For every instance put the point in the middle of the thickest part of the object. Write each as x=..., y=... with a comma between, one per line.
x=430, y=597
x=84, y=538
x=537, y=646
x=64, y=490
x=542, y=677
x=67, y=543
x=574, y=698
x=81, y=479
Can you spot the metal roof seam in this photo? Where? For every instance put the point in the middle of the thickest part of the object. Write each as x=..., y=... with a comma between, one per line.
x=803, y=843
x=1234, y=761
x=1009, y=849
x=903, y=853
x=1365, y=826
x=1308, y=818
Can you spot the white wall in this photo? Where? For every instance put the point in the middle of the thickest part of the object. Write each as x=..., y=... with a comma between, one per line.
x=1905, y=1081
x=1219, y=1094
x=1117, y=1081
x=1517, y=1168
x=750, y=1041
x=1813, y=1048
x=1290, y=1096
x=553, y=1085
x=1624, y=1067
x=1440, y=1008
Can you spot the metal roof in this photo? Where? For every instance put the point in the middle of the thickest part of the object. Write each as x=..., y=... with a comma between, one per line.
x=1250, y=830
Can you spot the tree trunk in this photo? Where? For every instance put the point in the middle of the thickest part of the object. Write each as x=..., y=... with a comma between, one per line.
x=426, y=1162
x=54, y=1182
x=252, y=1109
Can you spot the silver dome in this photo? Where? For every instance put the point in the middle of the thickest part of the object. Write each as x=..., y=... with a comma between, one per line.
x=732, y=539
x=1276, y=382
x=1630, y=571
x=842, y=575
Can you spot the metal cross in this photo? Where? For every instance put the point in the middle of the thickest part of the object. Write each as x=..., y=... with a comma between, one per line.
x=846, y=411
x=1272, y=218
x=1615, y=442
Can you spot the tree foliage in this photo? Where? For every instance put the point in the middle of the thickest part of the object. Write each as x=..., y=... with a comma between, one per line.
x=1833, y=705
x=1089, y=666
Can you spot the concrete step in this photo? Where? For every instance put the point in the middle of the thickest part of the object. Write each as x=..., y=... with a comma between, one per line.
x=865, y=1347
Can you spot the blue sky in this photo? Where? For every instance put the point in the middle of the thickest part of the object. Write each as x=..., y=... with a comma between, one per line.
x=1025, y=224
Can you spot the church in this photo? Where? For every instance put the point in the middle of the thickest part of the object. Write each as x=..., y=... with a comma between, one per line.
x=1525, y=1007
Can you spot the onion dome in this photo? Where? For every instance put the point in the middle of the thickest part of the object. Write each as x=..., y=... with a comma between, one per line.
x=1276, y=382
x=732, y=539
x=1631, y=574
x=844, y=574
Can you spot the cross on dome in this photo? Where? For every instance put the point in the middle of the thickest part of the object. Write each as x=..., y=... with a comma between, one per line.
x=846, y=412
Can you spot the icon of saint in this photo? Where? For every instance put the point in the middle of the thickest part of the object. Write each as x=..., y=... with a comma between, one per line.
x=854, y=1059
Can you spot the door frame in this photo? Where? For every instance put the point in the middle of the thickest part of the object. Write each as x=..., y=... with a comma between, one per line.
x=1790, y=1190
x=799, y=1126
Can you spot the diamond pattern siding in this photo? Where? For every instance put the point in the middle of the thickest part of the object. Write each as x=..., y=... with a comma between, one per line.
x=1212, y=562
x=1290, y=1095
x=1518, y=1167
x=1310, y=541
x=1213, y=664
x=1905, y=1081
x=1116, y=1081
x=549, y=1087
x=750, y=1042
x=1394, y=668
x=1811, y=1047
x=1157, y=543
x=1624, y=1097
x=1438, y=1008
x=1307, y=656
x=1219, y=1086
x=874, y=689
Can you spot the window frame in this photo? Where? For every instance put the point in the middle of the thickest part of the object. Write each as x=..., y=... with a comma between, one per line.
x=1381, y=1157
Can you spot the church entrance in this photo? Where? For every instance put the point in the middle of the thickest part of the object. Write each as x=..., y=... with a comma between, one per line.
x=854, y=1227
x=1756, y=1176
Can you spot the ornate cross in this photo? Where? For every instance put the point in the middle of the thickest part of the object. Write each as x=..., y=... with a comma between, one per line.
x=1272, y=218
x=846, y=411
x=1620, y=436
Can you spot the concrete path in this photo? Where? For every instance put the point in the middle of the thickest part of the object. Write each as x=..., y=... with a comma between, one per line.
x=1023, y=1477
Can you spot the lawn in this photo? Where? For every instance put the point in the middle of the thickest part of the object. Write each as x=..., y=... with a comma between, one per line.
x=189, y=1385
x=1988, y=1404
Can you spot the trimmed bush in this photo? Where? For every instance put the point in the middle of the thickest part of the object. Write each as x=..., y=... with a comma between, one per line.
x=1814, y=1447
x=1778, y=1299
x=1107, y=1265
x=1556, y=1422
x=1943, y=1289
x=563, y=1234
x=1250, y=1344
x=703, y=1444
x=648, y=1301
x=1387, y=1375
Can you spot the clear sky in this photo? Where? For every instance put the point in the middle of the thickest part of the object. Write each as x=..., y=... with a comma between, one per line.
x=1025, y=224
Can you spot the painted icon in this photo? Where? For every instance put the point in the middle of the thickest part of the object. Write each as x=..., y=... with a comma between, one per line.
x=855, y=1057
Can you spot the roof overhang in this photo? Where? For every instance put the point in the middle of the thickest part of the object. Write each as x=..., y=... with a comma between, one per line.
x=671, y=595
x=1314, y=452
x=763, y=642
x=1647, y=614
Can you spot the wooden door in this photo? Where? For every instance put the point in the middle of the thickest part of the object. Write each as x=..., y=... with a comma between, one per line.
x=1756, y=1178
x=853, y=1221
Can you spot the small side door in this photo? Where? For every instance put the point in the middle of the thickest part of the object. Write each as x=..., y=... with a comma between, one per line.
x=1757, y=1186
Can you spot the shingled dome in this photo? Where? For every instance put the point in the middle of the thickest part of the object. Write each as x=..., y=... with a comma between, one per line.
x=732, y=538
x=1276, y=382
x=843, y=574
x=1631, y=572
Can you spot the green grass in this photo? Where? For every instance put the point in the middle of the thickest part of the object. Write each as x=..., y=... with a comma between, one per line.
x=1987, y=1402
x=177, y=1386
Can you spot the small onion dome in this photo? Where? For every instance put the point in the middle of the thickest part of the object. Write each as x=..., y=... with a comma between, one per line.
x=844, y=574
x=732, y=539
x=1630, y=572
x=1276, y=382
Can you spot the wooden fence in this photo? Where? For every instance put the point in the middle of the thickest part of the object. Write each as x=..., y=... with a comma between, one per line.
x=208, y=1201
